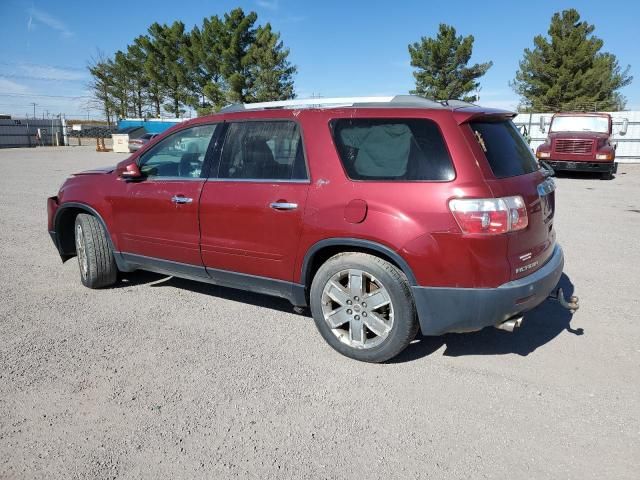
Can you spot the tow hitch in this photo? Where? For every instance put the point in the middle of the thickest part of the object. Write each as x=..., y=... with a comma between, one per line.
x=571, y=304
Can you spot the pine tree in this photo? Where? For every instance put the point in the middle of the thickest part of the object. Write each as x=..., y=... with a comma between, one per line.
x=226, y=60
x=120, y=83
x=271, y=73
x=153, y=71
x=101, y=85
x=567, y=71
x=167, y=65
x=205, y=58
x=238, y=37
x=139, y=81
x=441, y=64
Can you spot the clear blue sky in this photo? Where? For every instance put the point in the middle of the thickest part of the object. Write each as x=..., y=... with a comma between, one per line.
x=340, y=47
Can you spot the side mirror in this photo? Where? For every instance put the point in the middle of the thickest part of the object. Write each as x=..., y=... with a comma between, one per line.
x=131, y=172
x=543, y=124
x=625, y=125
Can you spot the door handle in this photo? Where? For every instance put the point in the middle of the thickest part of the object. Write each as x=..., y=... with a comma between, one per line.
x=180, y=199
x=283, y=205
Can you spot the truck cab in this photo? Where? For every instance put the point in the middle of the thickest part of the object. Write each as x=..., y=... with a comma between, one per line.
x=580, y=142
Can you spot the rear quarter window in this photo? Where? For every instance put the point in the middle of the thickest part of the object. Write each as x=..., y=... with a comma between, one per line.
x=392, y=149
x=506, y=150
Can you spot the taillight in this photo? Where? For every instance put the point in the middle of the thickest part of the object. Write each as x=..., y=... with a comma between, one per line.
x=490, y=215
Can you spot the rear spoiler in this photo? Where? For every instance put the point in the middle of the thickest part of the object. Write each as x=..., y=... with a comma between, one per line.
x=468, y=114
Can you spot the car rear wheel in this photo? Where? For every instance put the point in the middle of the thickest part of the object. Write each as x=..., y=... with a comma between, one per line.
x=95, y=258
x=363, y=307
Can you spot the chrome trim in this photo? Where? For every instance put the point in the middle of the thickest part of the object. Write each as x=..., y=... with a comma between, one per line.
x=173, y=179
x=283, y=205
x=181, y=200
x=258, y=180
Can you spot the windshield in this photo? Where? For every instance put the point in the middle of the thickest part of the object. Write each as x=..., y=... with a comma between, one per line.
x=580, y=124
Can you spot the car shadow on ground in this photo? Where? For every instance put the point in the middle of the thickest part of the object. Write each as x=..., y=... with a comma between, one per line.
x=155, y=280
x=540, y=325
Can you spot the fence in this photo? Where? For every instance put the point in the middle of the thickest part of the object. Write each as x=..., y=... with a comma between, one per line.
x=628, y=150
x=24, y=133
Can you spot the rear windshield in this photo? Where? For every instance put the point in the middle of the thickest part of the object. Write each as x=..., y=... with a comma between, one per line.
x=392, y=149
x=506, y=150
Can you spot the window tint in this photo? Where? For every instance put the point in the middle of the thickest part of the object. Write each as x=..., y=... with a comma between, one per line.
x=268, y=150
x=506, y=150
x=392, y=149
x=179, y=155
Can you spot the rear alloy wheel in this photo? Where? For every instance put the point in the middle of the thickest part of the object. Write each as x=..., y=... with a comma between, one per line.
x=362, y=306
x=95, y=258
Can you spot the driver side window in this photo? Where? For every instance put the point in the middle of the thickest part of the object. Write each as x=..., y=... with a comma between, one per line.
x=180, y=155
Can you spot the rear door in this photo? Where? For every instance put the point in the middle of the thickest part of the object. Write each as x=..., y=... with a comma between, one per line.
x=252, y=206
x=511, y=169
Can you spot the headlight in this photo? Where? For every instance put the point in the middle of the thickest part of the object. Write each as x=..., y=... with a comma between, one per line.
x=540, y=154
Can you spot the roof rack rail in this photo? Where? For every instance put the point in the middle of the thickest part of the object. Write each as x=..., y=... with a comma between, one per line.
x=411, y=101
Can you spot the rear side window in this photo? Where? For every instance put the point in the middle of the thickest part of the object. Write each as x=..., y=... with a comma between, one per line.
x=506, y=150
x=392, y=149
x=267, y=150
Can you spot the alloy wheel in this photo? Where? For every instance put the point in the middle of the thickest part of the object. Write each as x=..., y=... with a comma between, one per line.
x=357, y=308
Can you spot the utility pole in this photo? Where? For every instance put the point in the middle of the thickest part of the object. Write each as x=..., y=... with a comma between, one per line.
x=34, y=109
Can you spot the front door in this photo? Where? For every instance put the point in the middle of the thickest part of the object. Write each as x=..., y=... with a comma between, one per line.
x=252, y=206
x=159, y=217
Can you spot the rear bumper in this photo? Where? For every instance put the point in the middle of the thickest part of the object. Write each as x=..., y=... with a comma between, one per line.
x=442, y=310
x=583, y=166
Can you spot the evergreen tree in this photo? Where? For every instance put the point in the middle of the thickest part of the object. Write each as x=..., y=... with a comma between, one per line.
x=271, y=74
x=101, y=85
x=120, y=80
x=441, y=64
x=237, y=39
x=139, y=83
x=166, y=46
x=204, y=59
x=226, y=60
x=567, y=71
x=153, y=72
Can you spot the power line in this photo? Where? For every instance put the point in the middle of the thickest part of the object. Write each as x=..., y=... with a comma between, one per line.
x=41, y=95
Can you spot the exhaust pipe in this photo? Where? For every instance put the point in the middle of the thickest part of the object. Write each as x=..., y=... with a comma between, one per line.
x=510, y=325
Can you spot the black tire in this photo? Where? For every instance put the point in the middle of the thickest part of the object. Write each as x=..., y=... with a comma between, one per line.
x=607, y=176
x=100, y=269
x=394, y=281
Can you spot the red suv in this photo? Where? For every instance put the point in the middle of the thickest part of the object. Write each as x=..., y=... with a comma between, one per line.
x=384, y=215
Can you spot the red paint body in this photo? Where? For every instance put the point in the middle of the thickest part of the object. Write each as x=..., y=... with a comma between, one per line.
x=232, y=228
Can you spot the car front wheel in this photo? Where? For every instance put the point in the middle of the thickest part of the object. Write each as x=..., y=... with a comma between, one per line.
x=95, y=258
x=363, y=307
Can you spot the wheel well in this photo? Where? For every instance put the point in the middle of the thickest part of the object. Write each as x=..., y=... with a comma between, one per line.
x=325, y=253
x=65, y=224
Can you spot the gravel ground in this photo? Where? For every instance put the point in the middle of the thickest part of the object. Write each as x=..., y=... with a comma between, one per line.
x=167, y=378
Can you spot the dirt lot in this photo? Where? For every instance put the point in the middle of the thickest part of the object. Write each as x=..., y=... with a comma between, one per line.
x=167, y=378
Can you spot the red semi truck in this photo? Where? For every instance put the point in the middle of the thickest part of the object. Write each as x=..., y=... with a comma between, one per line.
x=580, y=142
